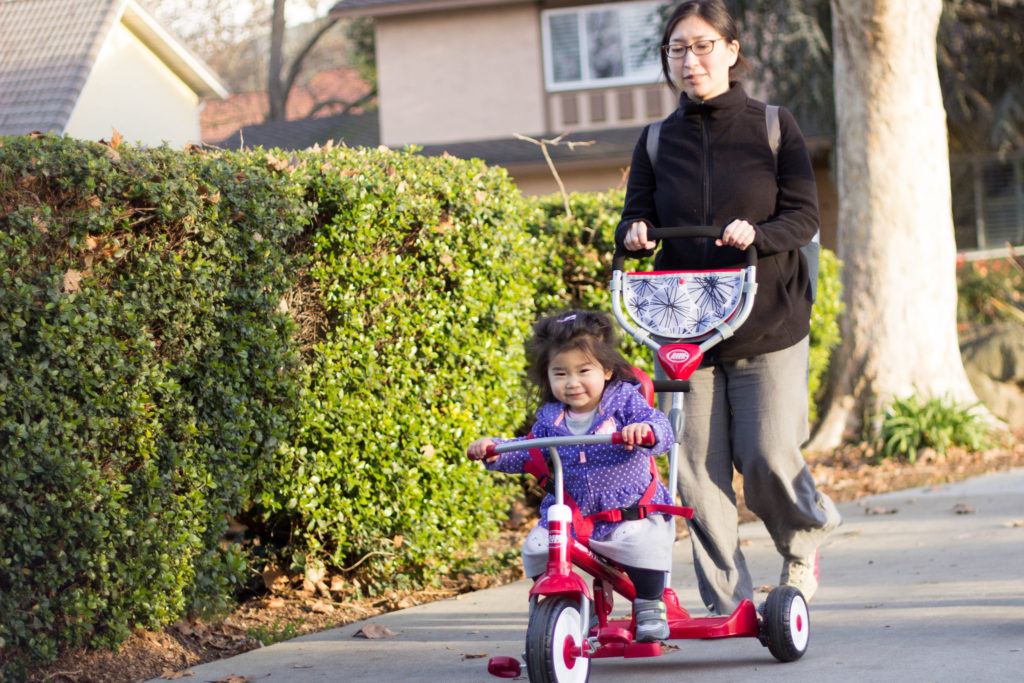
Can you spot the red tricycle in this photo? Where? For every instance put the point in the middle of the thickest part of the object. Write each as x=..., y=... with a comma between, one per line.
x=679, y=315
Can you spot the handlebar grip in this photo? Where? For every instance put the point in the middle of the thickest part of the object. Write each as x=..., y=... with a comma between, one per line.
x=648, y=439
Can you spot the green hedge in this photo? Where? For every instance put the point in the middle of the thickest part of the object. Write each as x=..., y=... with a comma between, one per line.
x=306, y=342
x=146, y=379
x=425, y=278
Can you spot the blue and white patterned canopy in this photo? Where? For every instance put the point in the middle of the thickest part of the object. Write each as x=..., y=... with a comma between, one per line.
x=682, y=304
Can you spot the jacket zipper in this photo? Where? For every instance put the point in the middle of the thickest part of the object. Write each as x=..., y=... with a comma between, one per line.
x=706, y=181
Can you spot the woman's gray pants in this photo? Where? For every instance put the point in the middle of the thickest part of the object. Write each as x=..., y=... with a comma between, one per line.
x=749, y=414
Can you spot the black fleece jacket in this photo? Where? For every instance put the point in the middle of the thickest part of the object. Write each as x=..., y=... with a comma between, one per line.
x=714, y=165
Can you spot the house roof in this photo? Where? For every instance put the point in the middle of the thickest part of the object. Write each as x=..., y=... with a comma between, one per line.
x=355, y=130
x=604, y=145
x=48, y=48
x=362, y=130
x=376, y=8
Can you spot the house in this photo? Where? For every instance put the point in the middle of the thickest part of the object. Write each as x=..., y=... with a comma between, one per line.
x=86, y=67
x=467, y=76
x=353, y=130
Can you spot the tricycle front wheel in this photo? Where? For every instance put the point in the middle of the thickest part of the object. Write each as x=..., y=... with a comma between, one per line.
x=554, y=643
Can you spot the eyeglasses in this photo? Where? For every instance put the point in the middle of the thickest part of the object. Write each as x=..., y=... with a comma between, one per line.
x=700, y=48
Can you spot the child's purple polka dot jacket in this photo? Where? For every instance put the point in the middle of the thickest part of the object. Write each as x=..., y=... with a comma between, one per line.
x=607, y=476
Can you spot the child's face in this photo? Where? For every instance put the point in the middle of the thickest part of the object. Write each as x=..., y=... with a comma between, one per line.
x=577, y=380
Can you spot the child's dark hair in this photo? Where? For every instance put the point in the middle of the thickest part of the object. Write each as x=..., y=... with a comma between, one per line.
x=588, y=331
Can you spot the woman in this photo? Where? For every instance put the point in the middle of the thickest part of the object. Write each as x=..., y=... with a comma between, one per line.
x=748, y=402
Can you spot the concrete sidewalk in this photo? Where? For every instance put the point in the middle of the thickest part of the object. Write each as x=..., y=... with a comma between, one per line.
x=920, y=585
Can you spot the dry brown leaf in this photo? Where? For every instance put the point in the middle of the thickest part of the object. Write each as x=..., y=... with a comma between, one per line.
x=881, y=511
x=115, y=138
x=375, y=631
x=72, y=281
x=174, y=675
x=963, y=509
x=477, y=655
x=274, y=578
x=321, y=607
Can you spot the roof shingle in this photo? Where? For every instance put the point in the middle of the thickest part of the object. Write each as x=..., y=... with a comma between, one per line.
x=47, y=50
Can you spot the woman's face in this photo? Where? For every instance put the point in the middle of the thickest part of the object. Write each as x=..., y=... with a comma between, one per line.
x=702, y=77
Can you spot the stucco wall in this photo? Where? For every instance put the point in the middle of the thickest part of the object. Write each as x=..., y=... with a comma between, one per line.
x=460, y=75
x=132, y=91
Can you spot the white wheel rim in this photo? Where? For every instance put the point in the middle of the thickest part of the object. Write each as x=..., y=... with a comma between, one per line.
x=567, y=628
x=799, y=625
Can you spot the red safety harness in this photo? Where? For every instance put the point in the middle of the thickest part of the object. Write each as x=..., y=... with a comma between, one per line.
x=584, y=526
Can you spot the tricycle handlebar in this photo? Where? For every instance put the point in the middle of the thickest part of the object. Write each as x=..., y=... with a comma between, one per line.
x=555, y=441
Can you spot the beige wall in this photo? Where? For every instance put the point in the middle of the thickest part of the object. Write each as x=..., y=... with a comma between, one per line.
x=460, y=75
x=130, y=89
x=537, y=180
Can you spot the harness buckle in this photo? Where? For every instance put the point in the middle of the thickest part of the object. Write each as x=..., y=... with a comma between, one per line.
x=633, y=512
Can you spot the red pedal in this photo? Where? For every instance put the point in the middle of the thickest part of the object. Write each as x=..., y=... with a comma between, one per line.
x=504, y=667
x=614, y=635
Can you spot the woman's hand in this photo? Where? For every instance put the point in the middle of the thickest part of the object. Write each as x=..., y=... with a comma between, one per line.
x=739, y=234
x=478, y=450
x=633, y=434
x=636, y=238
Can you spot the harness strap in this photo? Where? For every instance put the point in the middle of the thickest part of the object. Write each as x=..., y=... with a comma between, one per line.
x=643, y=507
x=584, y=526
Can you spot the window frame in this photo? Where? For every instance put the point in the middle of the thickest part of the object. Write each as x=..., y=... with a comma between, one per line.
x=646, y=76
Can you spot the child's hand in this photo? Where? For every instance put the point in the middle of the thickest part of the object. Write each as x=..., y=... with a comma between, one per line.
x=634, y=434
x=478, y=450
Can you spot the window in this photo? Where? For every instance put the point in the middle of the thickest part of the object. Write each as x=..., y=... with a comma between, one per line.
x=601, y=45
x=988, y=201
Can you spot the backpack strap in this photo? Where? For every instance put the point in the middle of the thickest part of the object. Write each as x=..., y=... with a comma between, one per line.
x=771, y=122
x=811, y=250
x=653, y=135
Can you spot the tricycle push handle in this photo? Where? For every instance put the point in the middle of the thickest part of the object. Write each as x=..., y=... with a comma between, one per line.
x=620, y=256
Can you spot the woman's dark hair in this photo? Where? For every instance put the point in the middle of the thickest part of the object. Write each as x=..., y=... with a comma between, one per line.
x=716, y=15
x=590, y=332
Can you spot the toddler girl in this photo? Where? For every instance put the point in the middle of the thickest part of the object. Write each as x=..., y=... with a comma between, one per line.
x=587, y=387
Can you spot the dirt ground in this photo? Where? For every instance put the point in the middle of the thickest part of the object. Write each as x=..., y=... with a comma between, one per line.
x=290, y=608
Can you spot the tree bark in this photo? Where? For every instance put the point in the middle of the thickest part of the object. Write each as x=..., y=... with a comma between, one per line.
x=276, y=96
x=899, y=334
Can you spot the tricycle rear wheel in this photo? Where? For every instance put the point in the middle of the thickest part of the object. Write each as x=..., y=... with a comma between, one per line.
x=786, y=624
x=554, y=643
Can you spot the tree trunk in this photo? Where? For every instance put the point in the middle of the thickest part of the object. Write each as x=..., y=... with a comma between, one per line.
x=895, y=218
x=277, y=96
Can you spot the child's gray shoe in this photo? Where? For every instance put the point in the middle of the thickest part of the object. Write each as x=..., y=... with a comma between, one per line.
x=651, y=620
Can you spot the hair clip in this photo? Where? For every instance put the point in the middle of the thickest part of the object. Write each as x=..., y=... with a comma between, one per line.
x=568, y=318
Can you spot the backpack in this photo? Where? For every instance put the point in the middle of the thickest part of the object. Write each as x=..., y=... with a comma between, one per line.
x=811, y=250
